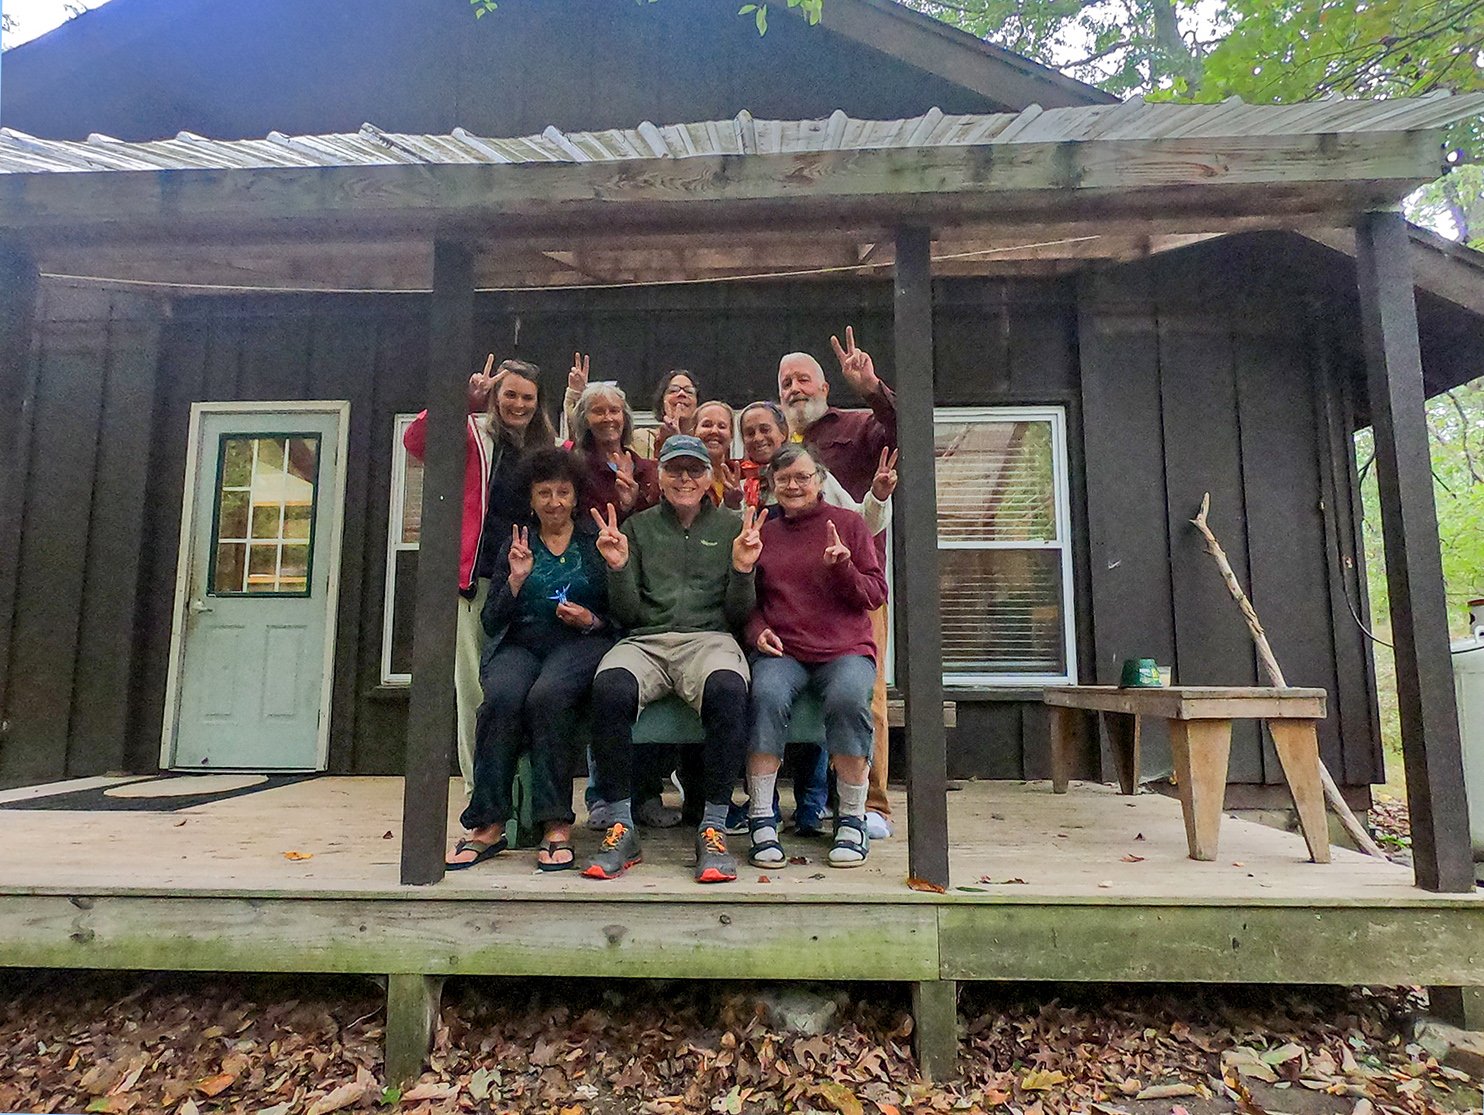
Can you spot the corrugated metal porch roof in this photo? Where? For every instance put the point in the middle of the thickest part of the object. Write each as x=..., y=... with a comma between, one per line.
x=743, y=135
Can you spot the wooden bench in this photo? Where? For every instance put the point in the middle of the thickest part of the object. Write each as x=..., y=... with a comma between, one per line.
x=1200, y=720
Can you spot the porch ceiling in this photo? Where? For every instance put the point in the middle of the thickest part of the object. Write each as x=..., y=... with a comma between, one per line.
x=1039, y=191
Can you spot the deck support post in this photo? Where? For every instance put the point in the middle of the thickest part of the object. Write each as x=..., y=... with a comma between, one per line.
x=412, y=1003
x=919, y=632
x=1459, y=1006
x=18, y=292
x=935, y=1028
x=432, y=708
x=1431, y=751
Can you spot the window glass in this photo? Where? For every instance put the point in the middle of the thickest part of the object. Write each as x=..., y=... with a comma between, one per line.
x=264, y=520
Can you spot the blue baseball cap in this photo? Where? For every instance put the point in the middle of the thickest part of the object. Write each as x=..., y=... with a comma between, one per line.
x=684, y=445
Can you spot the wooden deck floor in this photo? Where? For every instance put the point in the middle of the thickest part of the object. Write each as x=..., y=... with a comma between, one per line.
x=1087, y=885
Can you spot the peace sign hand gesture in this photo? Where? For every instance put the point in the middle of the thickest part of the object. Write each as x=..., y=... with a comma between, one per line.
x=613, y=544
x=855, y=364
x=885, y=481
x=748, y=546
x=522, y=561
x=482, y=384
x=623, y=478
x=731, y=485
x=836, y=551
x=577, y=377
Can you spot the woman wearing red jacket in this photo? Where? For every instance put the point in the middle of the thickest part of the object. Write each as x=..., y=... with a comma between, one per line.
x=506, y=421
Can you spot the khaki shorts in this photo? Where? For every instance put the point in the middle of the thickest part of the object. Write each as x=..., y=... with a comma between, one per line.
x=676, y=662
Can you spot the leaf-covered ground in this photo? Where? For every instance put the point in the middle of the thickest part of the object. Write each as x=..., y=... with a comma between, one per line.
x=153, y=1043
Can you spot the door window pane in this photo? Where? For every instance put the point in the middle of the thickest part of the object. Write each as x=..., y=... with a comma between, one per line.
x=264, y=519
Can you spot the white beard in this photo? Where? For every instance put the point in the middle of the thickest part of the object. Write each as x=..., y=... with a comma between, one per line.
x=806, y=412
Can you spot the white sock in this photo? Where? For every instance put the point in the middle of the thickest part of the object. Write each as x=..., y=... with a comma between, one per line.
x=852, y=798
x=760, y=788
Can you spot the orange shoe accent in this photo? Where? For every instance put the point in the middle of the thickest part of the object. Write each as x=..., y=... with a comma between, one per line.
x=712, y=875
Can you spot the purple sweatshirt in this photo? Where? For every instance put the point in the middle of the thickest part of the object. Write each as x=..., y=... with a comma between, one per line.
x=819, y=611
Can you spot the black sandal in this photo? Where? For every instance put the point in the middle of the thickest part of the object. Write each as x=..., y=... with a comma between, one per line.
x=753, y=824
x=482, y=851
x=551, y=848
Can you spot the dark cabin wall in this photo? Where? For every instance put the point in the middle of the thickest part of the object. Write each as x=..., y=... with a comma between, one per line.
x=83, y=449
x=1222, y=369
x=1173, y=386
x=144, y=69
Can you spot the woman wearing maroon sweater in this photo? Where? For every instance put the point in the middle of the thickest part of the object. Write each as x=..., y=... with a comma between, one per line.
x=817, y=581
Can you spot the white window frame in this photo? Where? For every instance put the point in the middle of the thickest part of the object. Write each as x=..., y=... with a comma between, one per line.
x=1057, y=418
x=394, y=546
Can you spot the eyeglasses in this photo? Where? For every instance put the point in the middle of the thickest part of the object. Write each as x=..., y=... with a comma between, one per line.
x=795, y=479
x=691, y=471
x=676, y=389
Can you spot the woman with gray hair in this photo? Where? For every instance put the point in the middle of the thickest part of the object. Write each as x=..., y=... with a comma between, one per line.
x=602, y=442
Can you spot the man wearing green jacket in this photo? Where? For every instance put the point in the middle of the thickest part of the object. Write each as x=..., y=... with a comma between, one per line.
x=680, y=581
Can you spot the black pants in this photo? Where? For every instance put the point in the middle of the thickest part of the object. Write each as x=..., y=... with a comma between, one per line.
x=530, y=695
x=723, y=716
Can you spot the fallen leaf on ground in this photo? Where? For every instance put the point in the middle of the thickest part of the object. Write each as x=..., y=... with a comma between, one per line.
x=1167, y=1091
x=923, y=885
x=1131, y=858
x=339, y=1099
x=798, y=861
x=432, y=1091
x=216, y=1085
x=298, y=855
x=840, y=1098
x=764, y=879
x=1041, y=1080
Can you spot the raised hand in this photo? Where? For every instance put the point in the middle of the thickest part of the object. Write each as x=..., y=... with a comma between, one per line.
x=482, y=384
x=577, y=377
x=855, y=364
x=522, y=561
x=748, y=546
x=731, y=485
x=623, y=478
x=575, y=615
x=769, y=643
x=836, y=551
x=885, y=480
x=613, y=544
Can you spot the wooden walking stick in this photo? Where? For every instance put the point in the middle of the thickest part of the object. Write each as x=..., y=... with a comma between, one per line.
x=1274, y=675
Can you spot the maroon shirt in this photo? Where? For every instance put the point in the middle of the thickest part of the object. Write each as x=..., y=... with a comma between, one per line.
x=600, y=486
x=820, y=612
x=849, y=442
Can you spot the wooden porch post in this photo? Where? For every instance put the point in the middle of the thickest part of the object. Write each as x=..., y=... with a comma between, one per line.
x=919, y=628
x=431, y=711
x=1431, y=753
x=18, y=291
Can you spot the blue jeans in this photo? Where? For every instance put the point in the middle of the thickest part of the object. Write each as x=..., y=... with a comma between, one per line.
x=844, y=686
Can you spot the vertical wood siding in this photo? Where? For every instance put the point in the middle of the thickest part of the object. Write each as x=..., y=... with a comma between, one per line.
x=1162, y=404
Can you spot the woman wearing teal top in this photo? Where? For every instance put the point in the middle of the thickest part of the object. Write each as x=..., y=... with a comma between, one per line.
x=548, y=629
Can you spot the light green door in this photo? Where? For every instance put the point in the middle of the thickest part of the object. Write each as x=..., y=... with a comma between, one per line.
x=255, y=612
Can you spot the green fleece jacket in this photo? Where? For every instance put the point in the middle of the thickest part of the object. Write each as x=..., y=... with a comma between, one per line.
x=678, y=579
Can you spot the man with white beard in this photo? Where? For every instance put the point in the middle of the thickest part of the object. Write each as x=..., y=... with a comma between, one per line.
x=850, y=444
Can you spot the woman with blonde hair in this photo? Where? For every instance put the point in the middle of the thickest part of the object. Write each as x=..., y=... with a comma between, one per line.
x=505, y=422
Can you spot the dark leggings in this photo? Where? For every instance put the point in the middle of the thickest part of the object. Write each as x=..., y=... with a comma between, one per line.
x=530, y=695
x=723, y=716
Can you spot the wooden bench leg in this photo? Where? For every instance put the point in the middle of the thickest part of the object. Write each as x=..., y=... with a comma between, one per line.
x=1297, y=744
x=935, y=1028
x=1123, y=741
x=1201, y=749
x=1063, y=741
x=412, y=1003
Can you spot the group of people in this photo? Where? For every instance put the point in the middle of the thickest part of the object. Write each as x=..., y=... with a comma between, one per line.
x=620, y=566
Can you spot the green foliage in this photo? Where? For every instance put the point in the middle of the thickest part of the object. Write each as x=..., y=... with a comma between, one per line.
x=1456, y=431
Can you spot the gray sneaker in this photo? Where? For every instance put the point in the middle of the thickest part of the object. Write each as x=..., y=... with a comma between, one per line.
x=713, y=864
x=618, y=852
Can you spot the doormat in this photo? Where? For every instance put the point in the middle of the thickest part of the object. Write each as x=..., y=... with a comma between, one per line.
x=165, y=794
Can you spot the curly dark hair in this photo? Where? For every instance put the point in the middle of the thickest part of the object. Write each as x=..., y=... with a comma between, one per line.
x=544, y=465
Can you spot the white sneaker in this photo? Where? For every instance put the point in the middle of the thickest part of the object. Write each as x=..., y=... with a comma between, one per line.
x=877, y=826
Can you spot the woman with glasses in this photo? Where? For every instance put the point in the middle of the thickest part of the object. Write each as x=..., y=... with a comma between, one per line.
x=817, y=579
